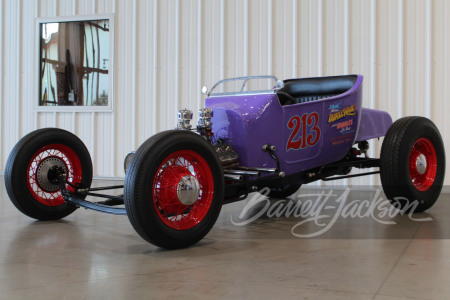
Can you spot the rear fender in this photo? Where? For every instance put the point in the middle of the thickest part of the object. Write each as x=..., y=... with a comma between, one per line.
x=373, y=124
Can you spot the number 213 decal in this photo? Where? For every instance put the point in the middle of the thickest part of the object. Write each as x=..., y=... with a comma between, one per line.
x=307, y=138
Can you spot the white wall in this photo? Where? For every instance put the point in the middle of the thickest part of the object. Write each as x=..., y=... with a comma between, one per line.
x=165, y=50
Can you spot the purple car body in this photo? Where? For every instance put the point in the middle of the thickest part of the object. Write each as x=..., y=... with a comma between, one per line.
x=250, y=139
x=306, y=135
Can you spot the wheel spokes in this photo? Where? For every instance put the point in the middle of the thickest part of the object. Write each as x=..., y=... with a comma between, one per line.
x=72, y=165
x=169, y=207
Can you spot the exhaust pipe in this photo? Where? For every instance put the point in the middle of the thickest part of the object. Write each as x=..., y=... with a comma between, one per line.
x=233, y=177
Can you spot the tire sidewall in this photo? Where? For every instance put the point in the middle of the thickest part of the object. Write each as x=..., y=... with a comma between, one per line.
x=139, y=195
x=17, y=167
x=403, y=188
x=429, y=131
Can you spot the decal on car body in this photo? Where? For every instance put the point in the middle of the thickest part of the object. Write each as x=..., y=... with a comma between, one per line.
x=346, y=111
x=310, y=132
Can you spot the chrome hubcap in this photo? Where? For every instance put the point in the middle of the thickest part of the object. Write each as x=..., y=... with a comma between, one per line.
x=43, y=171
x=421, y=164
x=188, y=190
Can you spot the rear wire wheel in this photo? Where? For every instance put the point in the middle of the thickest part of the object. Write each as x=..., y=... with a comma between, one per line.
x=174, y=189
x=412, y=164
x=30, y=177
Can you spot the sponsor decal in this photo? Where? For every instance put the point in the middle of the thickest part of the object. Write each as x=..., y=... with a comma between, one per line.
x=346, y=138
x=335, y=107
x=346, y=111
x=344, y=126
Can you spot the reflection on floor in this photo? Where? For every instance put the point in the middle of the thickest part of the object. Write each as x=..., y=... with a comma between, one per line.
x=257, y=249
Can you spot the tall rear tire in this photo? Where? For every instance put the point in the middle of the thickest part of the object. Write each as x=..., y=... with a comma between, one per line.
x=29, y=181
x=412, y=164
x=174, y=189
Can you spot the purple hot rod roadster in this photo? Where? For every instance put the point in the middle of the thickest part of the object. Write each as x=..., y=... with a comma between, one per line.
x=282, y=135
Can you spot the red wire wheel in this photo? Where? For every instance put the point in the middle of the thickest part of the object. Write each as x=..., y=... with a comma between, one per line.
x=43, y=188
x=422, y=164
x=174, y=189
x=31, y=179
x=184, y=177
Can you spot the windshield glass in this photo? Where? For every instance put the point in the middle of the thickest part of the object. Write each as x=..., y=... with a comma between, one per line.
x=244, y=85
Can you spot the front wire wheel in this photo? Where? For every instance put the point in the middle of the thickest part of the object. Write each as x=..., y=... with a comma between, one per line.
x=31, y=179
x=183, y=190
x=174, y=189
x=43, y=189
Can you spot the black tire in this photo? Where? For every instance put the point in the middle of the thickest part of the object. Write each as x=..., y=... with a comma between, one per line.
x=283, y=192
x=408, y=182
x=157, y=214
x=27, y=172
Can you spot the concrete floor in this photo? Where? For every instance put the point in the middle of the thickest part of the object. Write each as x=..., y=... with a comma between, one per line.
x=91, y=255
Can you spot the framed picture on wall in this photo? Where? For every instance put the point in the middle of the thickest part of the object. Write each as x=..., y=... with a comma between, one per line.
x=75, y=64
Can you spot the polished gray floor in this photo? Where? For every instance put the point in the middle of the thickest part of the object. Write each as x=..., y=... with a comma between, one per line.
x=91, y=255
